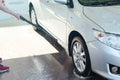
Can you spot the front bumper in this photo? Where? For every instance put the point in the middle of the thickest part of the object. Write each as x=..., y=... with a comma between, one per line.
x=101, y=57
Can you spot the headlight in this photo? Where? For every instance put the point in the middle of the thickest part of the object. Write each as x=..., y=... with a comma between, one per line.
x=110, y=39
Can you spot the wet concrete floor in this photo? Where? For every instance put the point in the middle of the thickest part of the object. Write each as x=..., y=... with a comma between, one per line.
x=56, y=66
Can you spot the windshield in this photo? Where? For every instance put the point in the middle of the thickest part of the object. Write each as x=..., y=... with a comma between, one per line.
x=99, y=2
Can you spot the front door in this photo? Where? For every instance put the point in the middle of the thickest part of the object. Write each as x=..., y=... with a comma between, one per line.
x=55, y=15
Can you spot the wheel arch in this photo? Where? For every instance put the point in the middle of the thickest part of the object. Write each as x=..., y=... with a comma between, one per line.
x=71, y=36
x=30, y=5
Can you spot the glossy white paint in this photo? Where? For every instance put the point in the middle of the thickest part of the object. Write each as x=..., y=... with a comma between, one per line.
x=61, y=1
x=61, y=20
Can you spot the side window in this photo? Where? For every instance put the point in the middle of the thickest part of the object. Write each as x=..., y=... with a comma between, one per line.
x=95, y=2
x=84, y=2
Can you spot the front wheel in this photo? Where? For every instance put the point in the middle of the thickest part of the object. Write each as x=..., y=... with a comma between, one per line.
x=80, y=57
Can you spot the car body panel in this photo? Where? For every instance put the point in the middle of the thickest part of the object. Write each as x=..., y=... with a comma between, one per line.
x=53, y=15
x=104, y=55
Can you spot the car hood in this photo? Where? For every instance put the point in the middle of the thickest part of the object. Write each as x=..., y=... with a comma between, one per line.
x=108, y=17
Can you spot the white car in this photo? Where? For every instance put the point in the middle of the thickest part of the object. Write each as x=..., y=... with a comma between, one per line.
x=89, y=30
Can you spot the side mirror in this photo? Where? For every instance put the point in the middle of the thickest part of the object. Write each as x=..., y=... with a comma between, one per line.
x=61, y=1
x=69, y=3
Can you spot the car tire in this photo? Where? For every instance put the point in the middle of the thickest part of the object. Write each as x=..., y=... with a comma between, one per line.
x=33, y=17
x=80, y=57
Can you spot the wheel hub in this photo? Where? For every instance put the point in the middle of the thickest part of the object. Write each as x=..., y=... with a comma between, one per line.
x=79, y=56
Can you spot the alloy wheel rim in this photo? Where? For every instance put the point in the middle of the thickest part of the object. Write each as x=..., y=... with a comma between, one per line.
x=79, y=56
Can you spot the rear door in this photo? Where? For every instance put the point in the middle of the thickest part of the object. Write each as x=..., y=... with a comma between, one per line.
x=55, y=15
